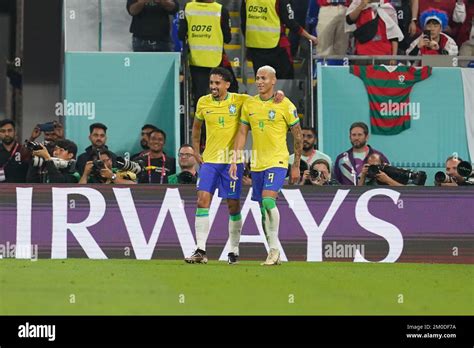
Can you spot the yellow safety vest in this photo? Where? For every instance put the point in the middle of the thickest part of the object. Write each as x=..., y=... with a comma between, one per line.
x=263, y=24
x=205, y=38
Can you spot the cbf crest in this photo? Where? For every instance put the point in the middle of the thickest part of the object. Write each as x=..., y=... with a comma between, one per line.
x=271, y=115
x=232, y=110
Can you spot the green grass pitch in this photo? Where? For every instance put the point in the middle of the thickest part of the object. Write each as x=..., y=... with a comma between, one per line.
x=159, y=287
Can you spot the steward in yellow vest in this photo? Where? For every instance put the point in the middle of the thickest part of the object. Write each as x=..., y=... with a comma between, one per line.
x=206, y=27
x=264, y=23
x=205, y=37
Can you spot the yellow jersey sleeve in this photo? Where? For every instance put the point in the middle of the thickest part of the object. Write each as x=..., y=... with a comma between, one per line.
x=291, y=114
x=199, y=109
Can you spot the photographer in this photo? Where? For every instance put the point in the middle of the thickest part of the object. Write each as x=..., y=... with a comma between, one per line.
x=101, y=171
x=13, y=157
x=319, y=174
x=381, y=178
x=187, y=162
x=53, y=131
x=451, y=177
x=57, y=169
x=159, y=166
x=146, y=131
x=98, y=139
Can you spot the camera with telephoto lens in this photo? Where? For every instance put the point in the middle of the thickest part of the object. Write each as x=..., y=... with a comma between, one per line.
x=97, y=166
x=186, y=177
x=373, y=170
x=33, y=145
x=443, y=178
x=58, y=163
x=464, y=169
x=314, y=174
x=126, y=165
x=63, y=164
x=303, y=167
x=400, y=175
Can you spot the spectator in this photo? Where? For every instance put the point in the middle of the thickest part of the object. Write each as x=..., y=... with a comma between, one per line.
x=103, y=172
x=366, y=179
x=13, y=156
x=326, y=20
x=310, y=154
x=432, y=41
x=407, y=15
x=58, y=169
x=264, y=23
x=206, y=25
x=146, y=130
x=51, y=135
x=375, y=27
x=158, y=166
x=300, y=9
x=187, y=163
x=151, y=24
x=319, y=174
x=98, y=139
x=455, y=10
x=348, y=165
x=465, y=31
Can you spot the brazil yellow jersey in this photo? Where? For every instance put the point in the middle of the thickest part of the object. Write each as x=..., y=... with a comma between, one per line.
x=269, y=123
x=222, y=122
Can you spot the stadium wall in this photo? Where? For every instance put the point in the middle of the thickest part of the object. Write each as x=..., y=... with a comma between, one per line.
x=438, y=131
x=124, y=91
x=407, y=224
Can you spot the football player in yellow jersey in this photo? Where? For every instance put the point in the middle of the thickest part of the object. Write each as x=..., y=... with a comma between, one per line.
x=220, y=111
x=269, y=123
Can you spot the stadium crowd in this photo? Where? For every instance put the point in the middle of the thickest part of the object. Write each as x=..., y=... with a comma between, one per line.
x=335, y=27
x=338, y=27
x=57, y=160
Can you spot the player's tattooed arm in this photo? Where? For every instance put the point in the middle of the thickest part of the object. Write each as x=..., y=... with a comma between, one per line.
x=196, y=139
x=298, y=150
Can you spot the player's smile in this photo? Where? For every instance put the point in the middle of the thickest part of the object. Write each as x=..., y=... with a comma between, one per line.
x=218, y=86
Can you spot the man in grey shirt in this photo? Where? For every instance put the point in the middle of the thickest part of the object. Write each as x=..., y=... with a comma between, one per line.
x=310, y=154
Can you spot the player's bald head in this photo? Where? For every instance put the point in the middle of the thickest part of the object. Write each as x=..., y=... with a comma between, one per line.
x=267, y=69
